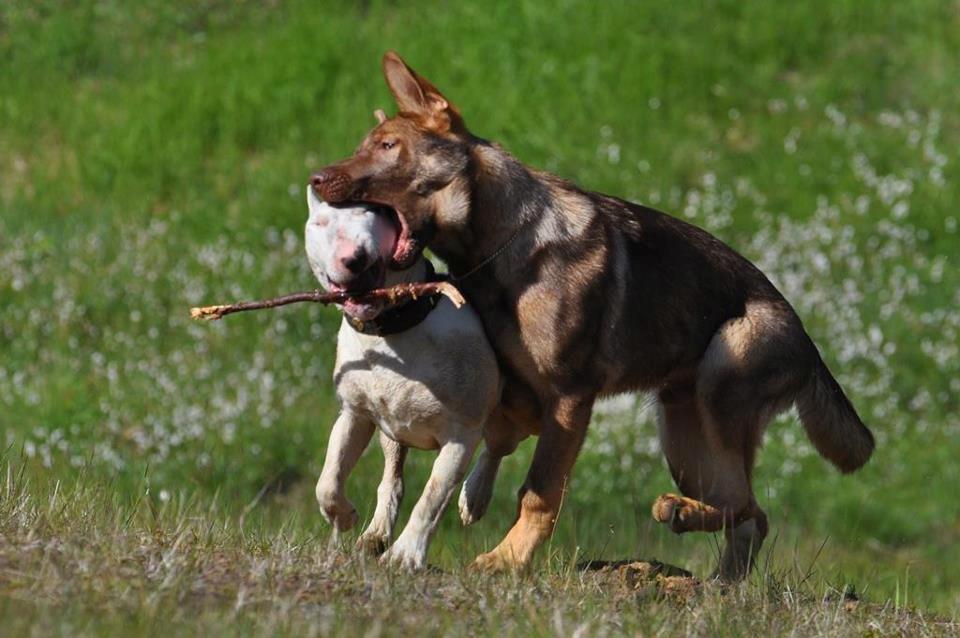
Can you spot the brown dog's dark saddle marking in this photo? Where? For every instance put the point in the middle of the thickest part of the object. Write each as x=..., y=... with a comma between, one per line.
x=403, y=317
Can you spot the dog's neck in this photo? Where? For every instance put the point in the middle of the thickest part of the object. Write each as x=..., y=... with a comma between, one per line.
x=510, y=195
x=414, y=274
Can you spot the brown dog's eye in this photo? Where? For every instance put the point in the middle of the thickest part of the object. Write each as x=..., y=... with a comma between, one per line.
x=387, y=144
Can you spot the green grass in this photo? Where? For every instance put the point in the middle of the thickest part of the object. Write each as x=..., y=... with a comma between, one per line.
x=154, y=157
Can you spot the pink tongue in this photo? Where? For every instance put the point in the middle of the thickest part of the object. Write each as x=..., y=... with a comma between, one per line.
x=389, y=235
x=361, y=311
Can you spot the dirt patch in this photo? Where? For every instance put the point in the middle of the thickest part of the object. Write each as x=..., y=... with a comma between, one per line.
x=643, y=578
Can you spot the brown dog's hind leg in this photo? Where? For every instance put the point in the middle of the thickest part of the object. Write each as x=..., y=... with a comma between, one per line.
x=501, y=437
x=751, y=371
x=743, y=544
x=562, y=435
x=714, y=480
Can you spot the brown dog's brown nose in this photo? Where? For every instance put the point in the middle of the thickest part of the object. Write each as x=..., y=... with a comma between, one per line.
x=317, y=180
x=331, y=184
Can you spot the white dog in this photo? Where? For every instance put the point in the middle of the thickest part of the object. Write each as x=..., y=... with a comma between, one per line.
x=423, y=372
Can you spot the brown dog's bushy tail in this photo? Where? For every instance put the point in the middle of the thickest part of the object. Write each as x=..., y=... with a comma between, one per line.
x=832, y=424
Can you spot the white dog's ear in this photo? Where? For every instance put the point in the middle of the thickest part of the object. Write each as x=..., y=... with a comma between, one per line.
x=313, y=202
x=380, y=115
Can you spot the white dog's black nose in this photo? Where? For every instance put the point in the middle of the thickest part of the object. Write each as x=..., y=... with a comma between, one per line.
x=357, y=261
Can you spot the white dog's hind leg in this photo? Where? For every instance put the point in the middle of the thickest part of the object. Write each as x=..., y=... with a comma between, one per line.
x=410, y=548
x=348, y=438
x=478, y=488
x=376, y=538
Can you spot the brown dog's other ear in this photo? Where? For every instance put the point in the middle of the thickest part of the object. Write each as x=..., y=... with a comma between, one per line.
x=380, y=115
x=416, y=96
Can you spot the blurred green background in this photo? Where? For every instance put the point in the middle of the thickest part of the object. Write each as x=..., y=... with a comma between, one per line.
x=153, y=156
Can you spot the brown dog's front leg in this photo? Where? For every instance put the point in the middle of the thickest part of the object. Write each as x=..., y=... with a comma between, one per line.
x=564, y=428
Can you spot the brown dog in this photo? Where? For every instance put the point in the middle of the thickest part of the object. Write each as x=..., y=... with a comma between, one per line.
x=584, y=295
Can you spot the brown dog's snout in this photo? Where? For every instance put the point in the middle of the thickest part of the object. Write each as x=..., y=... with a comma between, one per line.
x=331, y=184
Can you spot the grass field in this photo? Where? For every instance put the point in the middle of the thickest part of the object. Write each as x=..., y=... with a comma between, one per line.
x=153, y=156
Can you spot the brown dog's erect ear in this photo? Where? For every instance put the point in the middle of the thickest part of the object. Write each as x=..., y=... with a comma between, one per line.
x=380, y=115
x=416, y=96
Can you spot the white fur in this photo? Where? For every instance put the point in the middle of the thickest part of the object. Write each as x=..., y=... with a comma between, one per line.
x=333, y=232
x=430, y=387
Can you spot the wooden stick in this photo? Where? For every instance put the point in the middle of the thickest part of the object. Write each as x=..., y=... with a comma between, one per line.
x=391, y=295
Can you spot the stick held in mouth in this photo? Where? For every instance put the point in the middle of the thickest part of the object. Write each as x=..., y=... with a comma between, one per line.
x=392, y=294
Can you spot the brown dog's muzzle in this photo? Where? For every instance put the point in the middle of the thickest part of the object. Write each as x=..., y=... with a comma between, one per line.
x=332, y=184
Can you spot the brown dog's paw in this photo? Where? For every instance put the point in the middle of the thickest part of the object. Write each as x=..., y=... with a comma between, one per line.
x=666, y=508
x=497, y=560
x=684, y=514
x=489, y=562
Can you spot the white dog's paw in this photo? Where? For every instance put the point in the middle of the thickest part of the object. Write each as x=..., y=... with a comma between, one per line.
x=341, y=514
x=373, y=543
x=406, y=555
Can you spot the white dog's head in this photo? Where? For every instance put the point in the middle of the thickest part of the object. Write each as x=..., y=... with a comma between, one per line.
x=348, y=248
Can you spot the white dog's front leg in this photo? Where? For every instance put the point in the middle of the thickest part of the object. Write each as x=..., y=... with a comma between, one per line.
x=348, y=438
x=376, y=538
x=410, y=549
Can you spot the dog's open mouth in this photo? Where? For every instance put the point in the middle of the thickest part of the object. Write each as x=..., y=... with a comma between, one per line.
x=407, y=246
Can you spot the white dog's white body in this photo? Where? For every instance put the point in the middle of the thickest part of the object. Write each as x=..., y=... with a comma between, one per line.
x=421, y=383
x=433, y=386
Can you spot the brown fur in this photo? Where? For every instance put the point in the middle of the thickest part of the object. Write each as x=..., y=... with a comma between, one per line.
x=590, y=295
